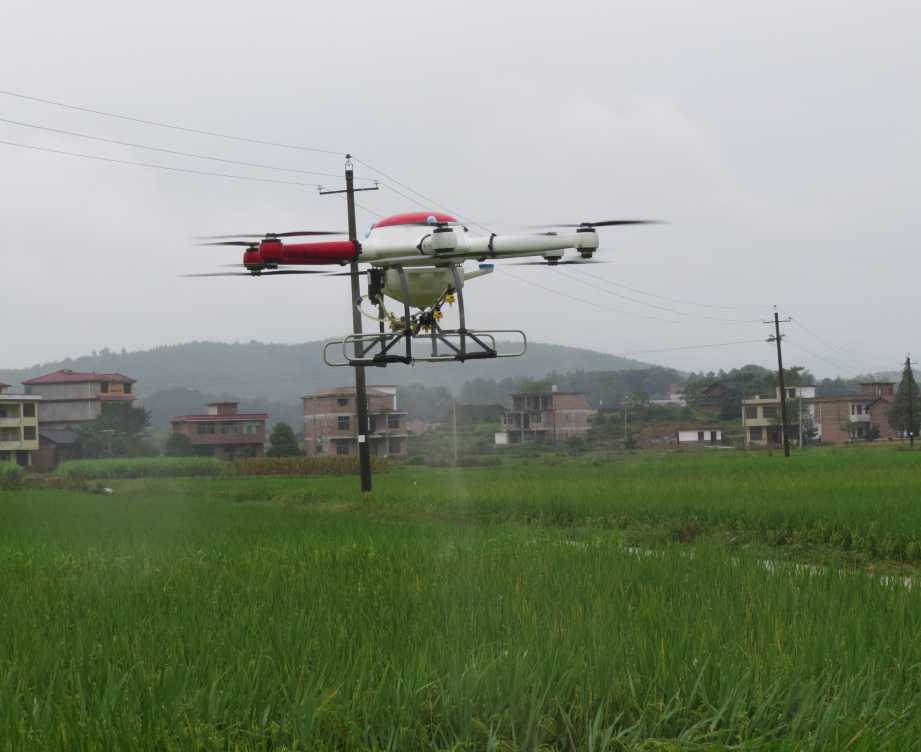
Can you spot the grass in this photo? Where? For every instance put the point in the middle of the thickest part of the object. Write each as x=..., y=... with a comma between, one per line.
x=143, y=467
x=483, y=608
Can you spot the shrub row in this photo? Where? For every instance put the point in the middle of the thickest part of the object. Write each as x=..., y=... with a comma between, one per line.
x=304, y=466
x=11, y=476
x=143, y=467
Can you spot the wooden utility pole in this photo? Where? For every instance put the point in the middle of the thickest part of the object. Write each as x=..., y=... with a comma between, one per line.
x=361, y=392
x=911, y=416
x=783, y=391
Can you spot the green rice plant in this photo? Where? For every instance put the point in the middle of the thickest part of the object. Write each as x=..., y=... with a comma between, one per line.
x=256, y=466
x=11, y=476
x=143, y=467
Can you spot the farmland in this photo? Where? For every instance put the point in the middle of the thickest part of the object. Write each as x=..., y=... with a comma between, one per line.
x=605, y=602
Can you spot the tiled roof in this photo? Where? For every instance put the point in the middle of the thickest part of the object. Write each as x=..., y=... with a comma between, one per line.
x=345, y=391
x=58, y=435
x=66, y=376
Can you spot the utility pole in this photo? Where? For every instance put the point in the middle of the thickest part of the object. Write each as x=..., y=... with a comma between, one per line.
x=911, y=417
x=454, y=403
x=361, y=391
x=783, y=391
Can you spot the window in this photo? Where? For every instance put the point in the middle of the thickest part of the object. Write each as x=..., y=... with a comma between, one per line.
x=28, y=433
x=755, y=433
x=5, y=411
x=535, y=418
x=28, y=390
x=791, y=393
x=28, y=410
x=751, y=412
x=104, y=387
x=343, y=423
x=393, y=421
x=204, y=428
x=372, y=424
x=252, y=426
x=343, y=402
x=393, y=446
x=229, y=426
x=700, y=435
x=860, y=409
x=342, y=447
x=770, y=412
x=127, y=388
x=513, y=437
x=319, y=449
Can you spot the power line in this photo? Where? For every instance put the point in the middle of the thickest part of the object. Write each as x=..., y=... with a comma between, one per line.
x=841, y=350
x=169, y=151
x=660, y=297
x=160, y=167
x=651, y=305
x=836, y=365
x=617, y=310
x=174, y=127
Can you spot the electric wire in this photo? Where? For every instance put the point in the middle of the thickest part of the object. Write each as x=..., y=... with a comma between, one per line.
x=651, y=305
x=661, y=297
x=815, y=355
x=838, y=349
x=617, y=310
x=174, y=127
x=170, y=151
x=161, y=167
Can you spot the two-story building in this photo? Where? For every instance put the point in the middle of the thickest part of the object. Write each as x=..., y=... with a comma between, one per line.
x=545, y=416
x=847, y=417
x=18, y=426
x=331, y=422
x=70, y=398
x=760, y=415
x=224, y=432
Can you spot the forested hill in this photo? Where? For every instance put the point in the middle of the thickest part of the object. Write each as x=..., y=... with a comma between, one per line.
x=284, y=373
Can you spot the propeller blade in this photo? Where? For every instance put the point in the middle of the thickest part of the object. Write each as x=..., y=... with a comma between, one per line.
x=275, y=234
x=245, y=243
x=260, y=274
x=558, y=263
x=608, y=223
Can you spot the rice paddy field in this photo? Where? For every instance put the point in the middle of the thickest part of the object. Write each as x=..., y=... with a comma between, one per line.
x=650, y=601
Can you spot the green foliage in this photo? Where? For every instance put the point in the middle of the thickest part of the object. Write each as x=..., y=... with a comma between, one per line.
x=179, y=445
x=873, y=432
x=530, y=387
x=283, y=442
x=905, y=413
x=147, y=467
x=11, y=476
x=300, y=465
x=118, y=431
x=797, y=411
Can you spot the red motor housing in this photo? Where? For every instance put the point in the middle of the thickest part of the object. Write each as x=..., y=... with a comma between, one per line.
x=332, y=252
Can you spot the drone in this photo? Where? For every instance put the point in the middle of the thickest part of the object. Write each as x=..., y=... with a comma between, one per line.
x=416, y=260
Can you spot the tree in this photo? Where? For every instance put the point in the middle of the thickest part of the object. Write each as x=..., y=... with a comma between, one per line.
x=283, y=441
x=898, y=414
x=179, y=445
x=120, y=430
x=794, y=407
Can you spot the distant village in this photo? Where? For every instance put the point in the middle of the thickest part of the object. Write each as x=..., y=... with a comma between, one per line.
x=41, y=422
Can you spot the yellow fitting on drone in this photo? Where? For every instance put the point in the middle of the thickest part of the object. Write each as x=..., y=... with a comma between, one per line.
x=449, y=300
x=437, y=315
x=426, y=328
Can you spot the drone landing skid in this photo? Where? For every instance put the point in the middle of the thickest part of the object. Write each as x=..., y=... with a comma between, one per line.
x=457, y=345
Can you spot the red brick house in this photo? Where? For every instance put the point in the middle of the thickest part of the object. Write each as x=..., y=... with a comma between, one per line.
x=224, y=432
x=331, y=422
x=847, y=417
x=545, y=416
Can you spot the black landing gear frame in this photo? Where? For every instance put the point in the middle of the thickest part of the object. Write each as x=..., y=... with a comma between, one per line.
x=459, y=344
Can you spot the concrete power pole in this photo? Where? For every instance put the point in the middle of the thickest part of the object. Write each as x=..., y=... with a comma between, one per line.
x=361, y=392
x=783, y=391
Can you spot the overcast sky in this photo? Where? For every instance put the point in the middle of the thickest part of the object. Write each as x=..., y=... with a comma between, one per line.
x=779, y=140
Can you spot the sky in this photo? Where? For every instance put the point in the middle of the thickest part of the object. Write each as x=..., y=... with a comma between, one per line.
x=778, y=141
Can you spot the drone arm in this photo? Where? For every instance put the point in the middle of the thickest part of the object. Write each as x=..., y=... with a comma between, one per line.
x=526, y=245
x=332, y=252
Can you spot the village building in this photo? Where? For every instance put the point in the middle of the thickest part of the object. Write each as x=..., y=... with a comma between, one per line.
x=760, y=416
x=224, y=432
x=70, y=398
x=545, y=416
x=717, y=394
x=18, y=426
x=683, y=435
x=55, y=445
x=331, y=422
x=848, y=417
x=415, y=424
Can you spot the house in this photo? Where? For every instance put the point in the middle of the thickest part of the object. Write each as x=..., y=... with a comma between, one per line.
x=717, y=394
x=478, y=413
x=847, y=417
x=55, y=445
x=545, y=416
x=759, y=416
x=70, y=398
x=331, y=422
x=683, y=435
x=223, y=432
x=18, y=426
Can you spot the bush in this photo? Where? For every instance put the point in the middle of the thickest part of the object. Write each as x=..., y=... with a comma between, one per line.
x=11, y=476
x=304, y=466
x=147, y=467
x=179, y=445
